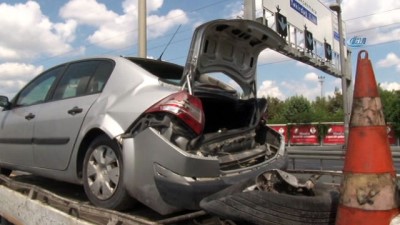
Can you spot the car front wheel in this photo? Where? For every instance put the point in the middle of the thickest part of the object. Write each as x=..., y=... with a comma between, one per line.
x=103, y=175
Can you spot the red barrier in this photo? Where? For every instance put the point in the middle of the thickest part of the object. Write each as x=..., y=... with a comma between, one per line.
x=304, y=135
x=391, y=135
x=282, y=129
x=334, y=135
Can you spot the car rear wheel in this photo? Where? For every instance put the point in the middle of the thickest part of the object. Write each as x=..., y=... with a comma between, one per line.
x=103, y=175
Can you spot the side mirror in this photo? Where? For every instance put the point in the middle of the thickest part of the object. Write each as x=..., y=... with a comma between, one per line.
x=4, y=102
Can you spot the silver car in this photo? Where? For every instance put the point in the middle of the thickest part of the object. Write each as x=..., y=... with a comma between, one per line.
x=134, y=129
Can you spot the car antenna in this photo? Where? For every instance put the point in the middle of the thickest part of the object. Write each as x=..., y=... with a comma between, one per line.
x=159, y=58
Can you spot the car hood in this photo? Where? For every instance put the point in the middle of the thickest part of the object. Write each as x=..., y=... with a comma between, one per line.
x=231, y=47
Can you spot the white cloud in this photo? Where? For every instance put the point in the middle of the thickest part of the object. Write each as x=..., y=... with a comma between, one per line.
x=158, y=25
x=18, y=70
x=311, y=77
x=382, y=15
x=271, y=89
x=302, y=89
x=114, y=31
x=66, y=31
x=390, y=86
x=130, y=6
x=13, y=76
x=235, y=9
x=337, y=82
x=271, y=56
x=88, y=12
x=391, y=60
x=26, y=33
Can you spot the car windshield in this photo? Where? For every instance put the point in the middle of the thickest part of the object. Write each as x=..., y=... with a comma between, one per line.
x=167, y=72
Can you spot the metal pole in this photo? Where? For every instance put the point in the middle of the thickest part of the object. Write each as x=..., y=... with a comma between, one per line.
x=345, y=83
x=321, y=81
x=249, y=9
x=142, y=40
x=345, y=77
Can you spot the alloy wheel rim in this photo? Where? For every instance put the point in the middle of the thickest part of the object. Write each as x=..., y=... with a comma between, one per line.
x=103, y=172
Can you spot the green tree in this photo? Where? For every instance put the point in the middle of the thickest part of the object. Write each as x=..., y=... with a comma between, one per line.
x=391, y=107
x=394, y=116
x=335, y=107
x=297, y=110
x=388, y=99
x=274, y=110
x=320, y=110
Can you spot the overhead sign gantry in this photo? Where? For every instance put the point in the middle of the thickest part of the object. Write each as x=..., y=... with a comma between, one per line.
x=314, y=35
x=311, y=31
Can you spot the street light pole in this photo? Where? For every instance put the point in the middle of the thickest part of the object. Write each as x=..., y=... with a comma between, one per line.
x=249, y=9
x=345, y=77
x=142, y=22
x=321, y=82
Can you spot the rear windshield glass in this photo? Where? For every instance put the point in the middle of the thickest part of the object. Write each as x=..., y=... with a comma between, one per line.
x=167, y=72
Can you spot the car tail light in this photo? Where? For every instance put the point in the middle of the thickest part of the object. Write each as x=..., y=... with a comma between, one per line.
x=185, y=106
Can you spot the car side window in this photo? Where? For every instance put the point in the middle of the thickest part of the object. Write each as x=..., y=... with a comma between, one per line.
x=37, y=91
x=83, y=78
x=101, y=76
x=75, y=80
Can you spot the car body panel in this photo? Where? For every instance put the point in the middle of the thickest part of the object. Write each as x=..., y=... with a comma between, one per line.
x=150, y=148
x=119, y=105
x=16, y=135
x=231, y=47
x=56, y=130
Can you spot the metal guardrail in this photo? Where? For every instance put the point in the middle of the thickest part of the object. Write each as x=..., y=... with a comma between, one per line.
x=325, y=157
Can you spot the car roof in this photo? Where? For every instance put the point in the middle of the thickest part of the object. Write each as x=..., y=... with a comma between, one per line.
x=162, y=69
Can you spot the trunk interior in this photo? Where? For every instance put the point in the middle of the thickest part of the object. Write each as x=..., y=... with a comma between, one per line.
x=234, y=133
x=224, y=114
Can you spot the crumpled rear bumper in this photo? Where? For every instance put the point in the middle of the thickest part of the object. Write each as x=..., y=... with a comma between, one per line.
x=168, y=179
x=186, y=192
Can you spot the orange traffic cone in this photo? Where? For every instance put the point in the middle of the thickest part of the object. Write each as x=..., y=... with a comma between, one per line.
x=368, y=190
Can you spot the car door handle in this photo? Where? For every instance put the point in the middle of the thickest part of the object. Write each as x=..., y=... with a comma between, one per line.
x=75, y=110
x=29, y=116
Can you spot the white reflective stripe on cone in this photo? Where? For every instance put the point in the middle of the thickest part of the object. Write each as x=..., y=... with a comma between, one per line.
x=395, y=221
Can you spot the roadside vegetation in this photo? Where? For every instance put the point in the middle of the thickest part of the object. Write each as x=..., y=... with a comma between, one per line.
x=298, y=109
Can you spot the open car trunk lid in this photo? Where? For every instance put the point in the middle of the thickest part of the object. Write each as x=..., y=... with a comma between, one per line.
x=231, y=47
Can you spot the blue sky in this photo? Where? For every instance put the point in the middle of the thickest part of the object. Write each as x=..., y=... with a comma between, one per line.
x=36, y=35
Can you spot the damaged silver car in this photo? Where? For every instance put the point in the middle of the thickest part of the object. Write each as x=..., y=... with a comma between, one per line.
x=133, y=129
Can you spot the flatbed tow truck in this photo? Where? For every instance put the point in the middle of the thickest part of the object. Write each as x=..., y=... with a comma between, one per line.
x=29, y=199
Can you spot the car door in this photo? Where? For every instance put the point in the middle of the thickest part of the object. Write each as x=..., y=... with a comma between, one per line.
x=59, y=121
x=17, y=122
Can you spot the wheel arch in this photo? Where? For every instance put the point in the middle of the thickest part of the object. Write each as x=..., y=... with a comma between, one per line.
x=84, y=146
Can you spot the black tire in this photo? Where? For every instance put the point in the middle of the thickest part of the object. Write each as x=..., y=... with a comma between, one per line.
x=103, y=179
x=5, y=172
x=260, y=207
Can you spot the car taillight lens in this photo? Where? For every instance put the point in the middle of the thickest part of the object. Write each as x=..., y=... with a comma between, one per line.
x=185, y=106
